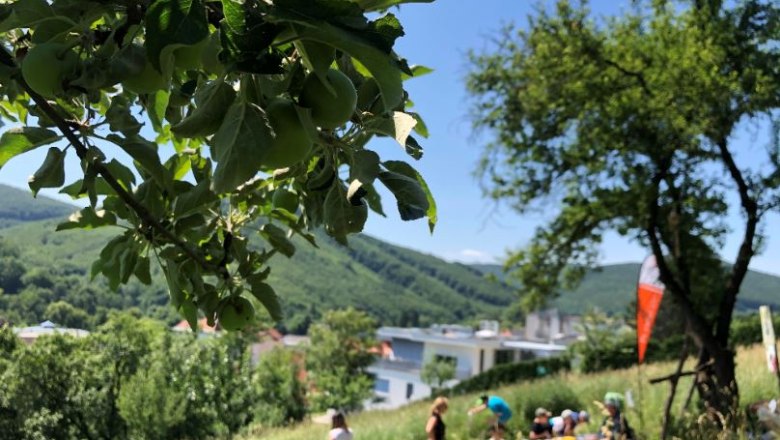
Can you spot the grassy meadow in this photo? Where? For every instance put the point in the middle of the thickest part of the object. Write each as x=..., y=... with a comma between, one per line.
x=573, y=390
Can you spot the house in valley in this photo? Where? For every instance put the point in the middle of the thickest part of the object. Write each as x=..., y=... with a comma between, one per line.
x=404, y=351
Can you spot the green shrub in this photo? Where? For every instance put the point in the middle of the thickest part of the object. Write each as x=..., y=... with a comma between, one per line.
x=512, y=373
x=553, y=396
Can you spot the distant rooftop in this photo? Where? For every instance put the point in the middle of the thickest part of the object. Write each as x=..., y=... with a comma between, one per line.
x=487, y=336
x=446, y=334
x=29, y=334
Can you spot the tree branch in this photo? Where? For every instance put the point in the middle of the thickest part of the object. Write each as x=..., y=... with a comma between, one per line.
x=83, y=153
x=746, y=251
x=701, y=332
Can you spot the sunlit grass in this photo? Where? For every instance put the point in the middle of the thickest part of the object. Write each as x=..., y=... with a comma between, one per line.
x=408, y=423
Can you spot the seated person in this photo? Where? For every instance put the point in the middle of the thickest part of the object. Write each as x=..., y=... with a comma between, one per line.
x=541, y=426
x=615, y=426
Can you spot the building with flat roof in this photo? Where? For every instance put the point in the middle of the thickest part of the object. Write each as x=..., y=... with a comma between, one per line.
x=405, y=350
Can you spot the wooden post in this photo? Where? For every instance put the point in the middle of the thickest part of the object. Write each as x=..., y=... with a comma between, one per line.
x=670, y=400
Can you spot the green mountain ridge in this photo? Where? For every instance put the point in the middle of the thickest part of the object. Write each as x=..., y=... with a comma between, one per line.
x=396, y=285
x=612, y=288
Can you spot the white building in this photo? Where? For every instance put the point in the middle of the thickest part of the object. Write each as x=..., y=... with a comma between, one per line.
x=405, y=350
x=552, y=326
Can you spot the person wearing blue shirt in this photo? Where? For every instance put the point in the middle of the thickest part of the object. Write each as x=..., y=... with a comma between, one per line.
x=497, y=406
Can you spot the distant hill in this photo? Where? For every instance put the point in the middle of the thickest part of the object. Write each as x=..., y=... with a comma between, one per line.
x=396, y=285
x=18, y=206
x=612, y=288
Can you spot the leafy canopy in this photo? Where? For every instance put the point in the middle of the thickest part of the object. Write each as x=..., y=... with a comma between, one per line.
x=167, y=105
x=603, y=120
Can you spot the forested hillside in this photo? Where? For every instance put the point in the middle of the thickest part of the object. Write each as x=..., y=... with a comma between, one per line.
x=612, y=289
x=18, y=206
x=396, y=285
x=45, y=274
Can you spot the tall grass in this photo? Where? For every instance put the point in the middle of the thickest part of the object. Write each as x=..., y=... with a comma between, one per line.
x=408, y=423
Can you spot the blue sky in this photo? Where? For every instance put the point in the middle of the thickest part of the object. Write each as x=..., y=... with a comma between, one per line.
x=470, y=228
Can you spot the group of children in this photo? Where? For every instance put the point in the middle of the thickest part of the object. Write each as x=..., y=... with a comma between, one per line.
x=569, y=425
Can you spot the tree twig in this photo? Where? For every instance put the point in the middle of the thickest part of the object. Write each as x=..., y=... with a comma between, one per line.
x=746, y=251
x=83, y=153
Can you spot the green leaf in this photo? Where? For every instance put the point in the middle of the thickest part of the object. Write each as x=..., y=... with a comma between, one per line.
x=174, y=22
x=420, y=128
x=119, y=117
x=383, y=67
x=213, y=101
x=193, y=200
x=266, y=295
x=174, y=279
x=88, y=218
x=417, y=71
x=374, y=200
x=144, y=153
x=380, y=5
x=155, y=108
x=278, y=239
x=412, y=200
x=238, y=146
x=365, y=166
x=110, y=255
x=317, y=57
x=189, y=311
x=408, y=171
x=51, y=174
x=123, y=174
x=27, y=13
x=79, y=189
x=16, y=141
x=340, y=216
x=142, y=271
x=385, y=30
x=399, y=126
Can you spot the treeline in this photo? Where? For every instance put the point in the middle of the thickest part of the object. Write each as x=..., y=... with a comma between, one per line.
x=63, y=293
x=133, y=378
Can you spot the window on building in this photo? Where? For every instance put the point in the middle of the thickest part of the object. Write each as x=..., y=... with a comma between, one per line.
x=504, y=357
x=381, y=385
x=409, y=390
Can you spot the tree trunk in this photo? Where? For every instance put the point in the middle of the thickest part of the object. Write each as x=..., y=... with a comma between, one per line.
x=717, y=386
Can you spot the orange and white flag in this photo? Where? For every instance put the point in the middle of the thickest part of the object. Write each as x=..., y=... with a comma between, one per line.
x=648, y=299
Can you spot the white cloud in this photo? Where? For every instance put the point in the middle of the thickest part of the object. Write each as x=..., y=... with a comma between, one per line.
x=471, y=256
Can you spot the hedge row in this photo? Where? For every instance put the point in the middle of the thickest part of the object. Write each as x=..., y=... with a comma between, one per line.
x=512, y=373
x=620, y=353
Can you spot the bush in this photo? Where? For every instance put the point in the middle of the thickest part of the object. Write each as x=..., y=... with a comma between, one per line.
x=512, y=373
x=746, y=329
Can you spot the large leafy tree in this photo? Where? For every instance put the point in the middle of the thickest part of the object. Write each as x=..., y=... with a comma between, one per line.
x=338, y=358
x=629, y=124
x=200, y=123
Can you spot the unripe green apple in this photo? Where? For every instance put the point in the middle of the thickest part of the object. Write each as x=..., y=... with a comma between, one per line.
x=329, y=110
x=188, y=57
x=285, y=199
x=47, y=65
x=148, y=81
x=291, y=143
x=236, y=314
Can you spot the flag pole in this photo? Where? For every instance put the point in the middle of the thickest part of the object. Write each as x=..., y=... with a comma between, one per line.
x=639, y=393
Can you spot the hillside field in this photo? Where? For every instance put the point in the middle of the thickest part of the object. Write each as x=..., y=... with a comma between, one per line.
x=408, y=423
